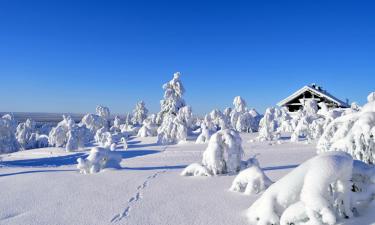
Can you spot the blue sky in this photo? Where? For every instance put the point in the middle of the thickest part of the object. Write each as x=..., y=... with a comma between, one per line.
x=69, y=56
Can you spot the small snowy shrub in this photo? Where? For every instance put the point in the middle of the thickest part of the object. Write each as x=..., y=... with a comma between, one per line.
x=205, y=135
x=268, y=126
x=8, y=140
x=99, y=159
x=104, y=138
x=251, y=181
x=148, y=129
x=223, y=155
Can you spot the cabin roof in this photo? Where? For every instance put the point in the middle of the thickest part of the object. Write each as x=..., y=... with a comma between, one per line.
x=316, y=90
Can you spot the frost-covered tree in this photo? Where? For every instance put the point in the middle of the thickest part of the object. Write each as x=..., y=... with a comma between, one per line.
x=353, y=133
x=148, y=129
x=94, y=122
x=8, y=140
x=223, y=155
x=242, y=119
x=172, y=101
x=103, y=112
x=139, y=113
x=104, y=138
x=69, y=135
x=175, y=128
x=268, y=126
x=26, y=134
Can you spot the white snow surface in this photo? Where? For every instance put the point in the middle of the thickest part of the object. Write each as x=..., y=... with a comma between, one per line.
x=43, y=186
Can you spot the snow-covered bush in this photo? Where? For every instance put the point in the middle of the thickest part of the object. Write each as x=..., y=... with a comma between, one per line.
x=268, y=126
x=104, y=138
x=69, y=135
x=353, y=133
x=26, y=134
x=174, y=129
x=242, y=119
x=173, y=101
x=205, y=135
x=99, y=159
x=251, y=180
x=219, y=120
x=8, y=140
x=317, y=191
x=139, y=113
x=149, y=129
x=223, y=155
x=103, y=112
x=94, y=122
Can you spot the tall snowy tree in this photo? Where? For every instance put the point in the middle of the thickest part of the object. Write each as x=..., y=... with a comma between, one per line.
x=172, y=101
x=139, y=113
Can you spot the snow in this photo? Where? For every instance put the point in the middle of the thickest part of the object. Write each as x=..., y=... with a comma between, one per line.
x=43, y=186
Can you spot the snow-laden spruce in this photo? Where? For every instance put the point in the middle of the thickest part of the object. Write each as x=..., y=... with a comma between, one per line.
x=318, y=191
x=353, y=133
x=252, y=180
x=99, y=159
x=8, y=140
x=223, y=155
x=242, y=119
x=174, y=128
x=172, y=101
x=139, y=113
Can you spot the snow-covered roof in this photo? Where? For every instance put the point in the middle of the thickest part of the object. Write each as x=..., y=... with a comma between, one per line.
x=316, y=90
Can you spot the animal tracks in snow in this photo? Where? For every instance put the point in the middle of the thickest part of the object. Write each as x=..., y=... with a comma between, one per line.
x=135, y=198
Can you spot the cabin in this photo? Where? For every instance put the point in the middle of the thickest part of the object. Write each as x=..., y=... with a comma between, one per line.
x=297, y=100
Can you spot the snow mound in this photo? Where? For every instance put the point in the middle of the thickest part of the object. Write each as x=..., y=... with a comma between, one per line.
x=318, y=191
x=99, y=159
x=251, y=181
x=195, y=169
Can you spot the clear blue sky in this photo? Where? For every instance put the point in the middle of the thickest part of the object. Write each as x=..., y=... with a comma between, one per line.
x=69, y=56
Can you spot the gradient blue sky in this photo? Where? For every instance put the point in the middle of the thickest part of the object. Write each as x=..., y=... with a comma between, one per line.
x=69, y=56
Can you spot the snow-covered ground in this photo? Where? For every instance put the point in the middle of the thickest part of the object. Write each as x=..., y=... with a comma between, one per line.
x=43, y=186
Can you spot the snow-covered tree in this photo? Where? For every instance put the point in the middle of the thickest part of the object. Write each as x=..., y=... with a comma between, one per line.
x=148, y=129
x=175, y=128
x=318, y=191
x=223, y=155
x=103, y=112
x=173, y=101
x=69, y=135
x=26, y=134
x=104, y=138
x=94, y=122
x=99, y=159
x=268, y=126
x=8, y=140
x=353, y=133
x=242, y=119
x=139, y=113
